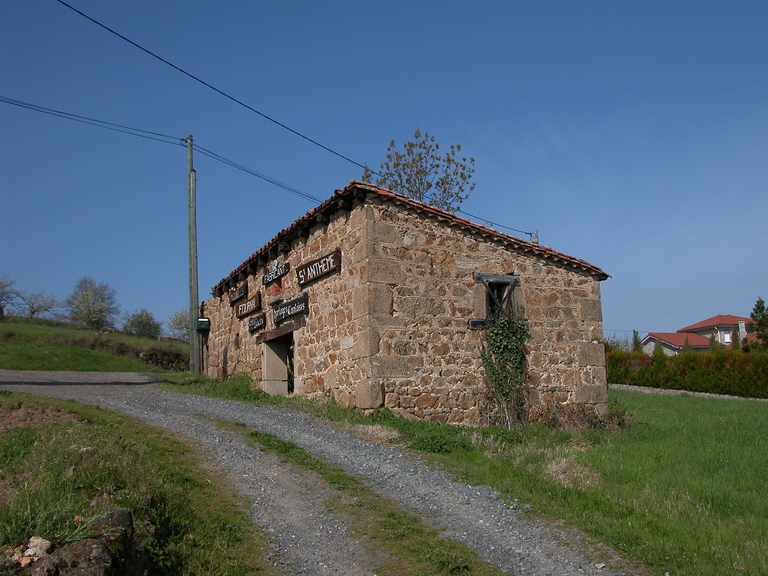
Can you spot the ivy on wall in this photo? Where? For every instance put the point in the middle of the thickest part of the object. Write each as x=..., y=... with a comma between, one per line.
x=504, y=357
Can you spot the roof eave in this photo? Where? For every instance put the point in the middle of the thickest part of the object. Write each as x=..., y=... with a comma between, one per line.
x=360, y=192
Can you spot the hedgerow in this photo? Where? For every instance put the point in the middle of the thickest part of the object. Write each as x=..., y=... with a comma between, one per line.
x=731, y=372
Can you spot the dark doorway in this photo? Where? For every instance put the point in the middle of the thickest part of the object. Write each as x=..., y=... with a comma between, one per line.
x=278, y=371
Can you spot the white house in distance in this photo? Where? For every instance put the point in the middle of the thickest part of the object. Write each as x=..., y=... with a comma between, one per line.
x=698, y=335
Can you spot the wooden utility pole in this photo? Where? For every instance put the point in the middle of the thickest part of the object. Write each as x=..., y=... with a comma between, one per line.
x=194, y=302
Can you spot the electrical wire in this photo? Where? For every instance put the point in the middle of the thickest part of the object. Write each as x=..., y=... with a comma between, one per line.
x=207, y=85
x=269, y=179
x=265, y=116
x=494, y=224
x=163, y=138
x=176, y=141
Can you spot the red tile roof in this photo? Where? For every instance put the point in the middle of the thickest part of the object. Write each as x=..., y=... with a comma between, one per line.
x=361, y=191
x=677, y=340
x=719, y=320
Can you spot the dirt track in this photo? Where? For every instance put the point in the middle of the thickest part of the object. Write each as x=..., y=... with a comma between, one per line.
x=288, y=502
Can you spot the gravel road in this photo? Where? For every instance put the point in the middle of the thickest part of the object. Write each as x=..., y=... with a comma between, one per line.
x=288, y=502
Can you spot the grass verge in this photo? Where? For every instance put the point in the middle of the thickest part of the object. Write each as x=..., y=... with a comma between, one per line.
x=47, y=345
x=682, y=490
x=62, y=464
x=411, y=547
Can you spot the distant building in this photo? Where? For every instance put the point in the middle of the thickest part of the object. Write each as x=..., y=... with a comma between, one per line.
x=374, y=299
x=698, y=335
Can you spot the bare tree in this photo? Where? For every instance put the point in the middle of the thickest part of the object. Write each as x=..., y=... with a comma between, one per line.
x=8, y=294
x=421, y=173
x=33, y=304
x=94, y=305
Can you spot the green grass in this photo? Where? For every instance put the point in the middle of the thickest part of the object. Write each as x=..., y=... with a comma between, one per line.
x=60, y=346
x=235, y=388
x=70, y=463
x=682, y=490
x=407, y=544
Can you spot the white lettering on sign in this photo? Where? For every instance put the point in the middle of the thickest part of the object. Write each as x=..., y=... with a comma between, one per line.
x=288, y=309
x=319, y=268
x=250, y=305
x=257, y=322
x=236, y=294
x=274, y=272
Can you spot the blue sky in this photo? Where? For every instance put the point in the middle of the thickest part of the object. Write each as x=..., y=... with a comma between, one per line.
x=633, y=135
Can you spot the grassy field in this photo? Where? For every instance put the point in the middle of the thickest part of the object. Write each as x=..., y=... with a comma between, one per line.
x=47, y=345
x=62, y=464
x=681, y=490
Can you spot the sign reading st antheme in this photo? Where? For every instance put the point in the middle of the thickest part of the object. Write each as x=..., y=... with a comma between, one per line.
x=316, y=269
x=291, y=308
x=238, y=293
x=249, y=306
x=274, y=272
x=257, y=322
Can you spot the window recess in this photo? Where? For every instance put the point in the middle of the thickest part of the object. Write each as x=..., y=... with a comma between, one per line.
x=499, y=297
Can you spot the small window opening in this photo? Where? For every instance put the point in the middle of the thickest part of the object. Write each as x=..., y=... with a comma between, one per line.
x=499, y=297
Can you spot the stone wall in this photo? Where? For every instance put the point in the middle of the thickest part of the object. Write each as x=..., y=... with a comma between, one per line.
x=391, y=329
x=429, y=361
x=323, y=339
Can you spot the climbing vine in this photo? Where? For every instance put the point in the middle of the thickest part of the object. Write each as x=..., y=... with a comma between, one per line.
x=504, y=357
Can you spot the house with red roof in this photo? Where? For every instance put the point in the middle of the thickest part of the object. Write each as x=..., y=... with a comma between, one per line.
x=698, y=335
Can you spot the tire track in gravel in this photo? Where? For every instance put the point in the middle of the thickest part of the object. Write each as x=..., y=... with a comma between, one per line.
x=286, y=501
x=472, y=515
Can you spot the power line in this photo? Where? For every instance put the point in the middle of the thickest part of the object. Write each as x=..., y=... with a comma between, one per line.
x=269, y=179
x=164, y=138
x=176, y=141
x=265, y=116
x=207, y=85
x=494, y=224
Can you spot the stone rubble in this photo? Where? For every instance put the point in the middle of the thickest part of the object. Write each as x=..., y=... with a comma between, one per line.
x=105, y=553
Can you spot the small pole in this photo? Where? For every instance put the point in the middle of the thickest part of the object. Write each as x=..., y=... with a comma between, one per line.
x=194, y=348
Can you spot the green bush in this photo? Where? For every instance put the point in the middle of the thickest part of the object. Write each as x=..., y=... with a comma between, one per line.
x=724, y=371
x=142, y=324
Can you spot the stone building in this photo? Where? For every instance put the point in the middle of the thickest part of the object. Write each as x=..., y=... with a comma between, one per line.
x=375, y=299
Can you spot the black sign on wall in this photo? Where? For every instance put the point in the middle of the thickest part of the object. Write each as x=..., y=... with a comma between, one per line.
x=274, y=272
x=316, y=269
x=291, y=308
x=238, y=293
x=257, y=322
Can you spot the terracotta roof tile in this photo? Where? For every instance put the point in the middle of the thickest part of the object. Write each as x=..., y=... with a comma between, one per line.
x=719, y=320
x=365, y=192
x=677, y=340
